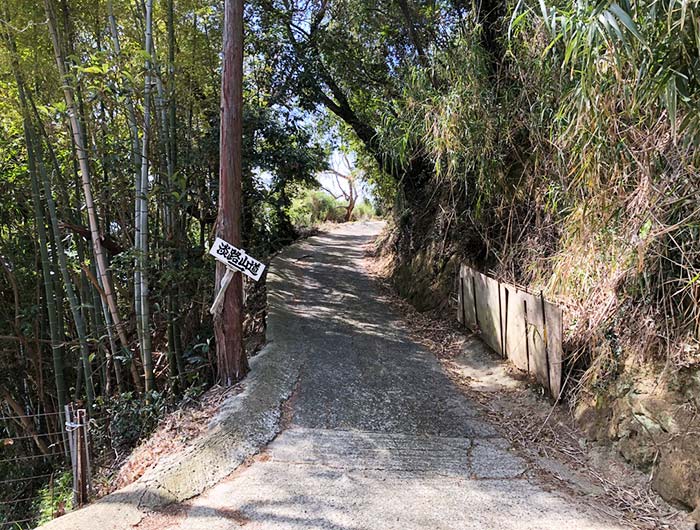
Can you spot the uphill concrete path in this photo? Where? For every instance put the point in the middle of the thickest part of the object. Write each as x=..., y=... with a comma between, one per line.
x=376, y=436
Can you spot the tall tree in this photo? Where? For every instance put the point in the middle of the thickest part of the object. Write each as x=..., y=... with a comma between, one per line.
x=39, y=219
x=46, y=266
x=136, y=168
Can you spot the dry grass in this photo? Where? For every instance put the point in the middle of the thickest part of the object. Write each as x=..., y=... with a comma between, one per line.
x=541, y=432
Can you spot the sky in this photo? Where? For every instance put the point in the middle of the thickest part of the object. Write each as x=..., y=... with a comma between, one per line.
x=342, y=164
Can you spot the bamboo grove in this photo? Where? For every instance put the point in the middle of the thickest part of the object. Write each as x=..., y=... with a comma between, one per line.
x=109, y=164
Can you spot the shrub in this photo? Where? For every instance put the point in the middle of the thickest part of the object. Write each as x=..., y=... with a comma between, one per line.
x=132, y=418
x=55, y=498
x=313, y=207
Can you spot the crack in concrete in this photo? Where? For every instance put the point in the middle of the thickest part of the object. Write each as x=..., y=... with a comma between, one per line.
x=314, y=374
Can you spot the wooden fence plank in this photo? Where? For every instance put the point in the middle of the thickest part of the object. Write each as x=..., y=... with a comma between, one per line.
x=469, y=308
x=536, y=345
x=487, y=296
x=555, y=330
x=513, y=303
x=460, y=297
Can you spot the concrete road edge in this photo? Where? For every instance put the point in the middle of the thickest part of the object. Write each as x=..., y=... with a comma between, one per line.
x=245, y=423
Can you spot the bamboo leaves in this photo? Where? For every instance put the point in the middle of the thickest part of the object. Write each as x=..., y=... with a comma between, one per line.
x=107, y=224
x=654, y=48
x=626, y=20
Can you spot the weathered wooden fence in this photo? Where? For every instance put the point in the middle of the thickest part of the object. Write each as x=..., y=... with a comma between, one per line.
x=521, y=326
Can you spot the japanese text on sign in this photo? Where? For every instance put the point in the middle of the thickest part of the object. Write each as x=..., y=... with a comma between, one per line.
x=237, y=259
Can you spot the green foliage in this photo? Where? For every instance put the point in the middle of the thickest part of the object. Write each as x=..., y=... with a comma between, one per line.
x=55, y=498
x=555, y=142
x=552, y=141
x=132, y=418
x=313, y=207
x=455, y=127
x=364, y=211
x=286, y=153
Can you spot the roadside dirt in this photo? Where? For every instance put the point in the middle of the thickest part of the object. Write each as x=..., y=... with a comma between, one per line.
x=191, y=418
x=173, y=434
x=544, y=433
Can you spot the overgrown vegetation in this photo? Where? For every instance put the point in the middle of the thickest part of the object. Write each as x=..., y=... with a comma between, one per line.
x=554, y=145
x=551, y=143
x=314, y=207
x=108, y=196
x=56, y=498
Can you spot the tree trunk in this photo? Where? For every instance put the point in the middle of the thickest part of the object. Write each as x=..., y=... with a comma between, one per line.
x=34, y=149
x=73, y=301
x=103, y=300
x=172, y=235
x=47, y=272
x=136, y=161
x=232, y=363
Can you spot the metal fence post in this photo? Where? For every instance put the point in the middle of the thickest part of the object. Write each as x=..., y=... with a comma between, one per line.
x=82, y=452
x=70, y=430
x=76, y=426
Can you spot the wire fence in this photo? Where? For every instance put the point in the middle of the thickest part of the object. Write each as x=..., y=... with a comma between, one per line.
x=37, y=450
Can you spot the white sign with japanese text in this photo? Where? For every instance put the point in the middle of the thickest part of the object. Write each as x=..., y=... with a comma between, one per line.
x=237, y=259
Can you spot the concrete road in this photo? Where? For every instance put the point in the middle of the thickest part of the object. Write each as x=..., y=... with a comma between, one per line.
x=376, y=435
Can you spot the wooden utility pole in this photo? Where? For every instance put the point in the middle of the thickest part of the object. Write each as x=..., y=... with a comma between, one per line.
x=232, y=363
